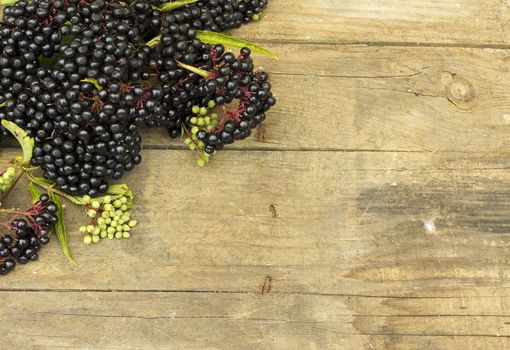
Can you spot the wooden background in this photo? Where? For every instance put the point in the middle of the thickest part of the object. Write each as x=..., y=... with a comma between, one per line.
x=371, y=212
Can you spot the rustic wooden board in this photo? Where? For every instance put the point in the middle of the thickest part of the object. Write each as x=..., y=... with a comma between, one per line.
x=343, y=222
x=112, y=320
x=382, y=98
x=367, y=249
x=383, y=22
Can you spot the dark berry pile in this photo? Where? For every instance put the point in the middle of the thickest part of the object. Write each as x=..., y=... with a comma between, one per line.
x=29, y=231
x=76, y=75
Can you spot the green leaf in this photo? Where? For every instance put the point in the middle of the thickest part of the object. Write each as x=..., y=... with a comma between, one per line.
x=26, y=142
x=170, y=6
x=214, y=38
x=60, y=230
x=34, y=191
x=195, y=70
x=93, y=82
x=7, y=2
x=154, y=41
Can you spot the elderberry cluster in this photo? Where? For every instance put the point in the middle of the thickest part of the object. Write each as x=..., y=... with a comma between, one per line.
x=76, y=75
x=29, y=231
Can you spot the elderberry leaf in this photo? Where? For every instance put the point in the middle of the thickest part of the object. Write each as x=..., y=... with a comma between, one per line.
x=170, y=6
x=42, y=182
x=26, y=142
x=214, y=38
x=60, y=230
x=154, y=41
x=195, y=70
x=93, y=82
x=34, y=191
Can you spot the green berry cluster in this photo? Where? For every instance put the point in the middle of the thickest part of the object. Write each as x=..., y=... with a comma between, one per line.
x=6, y=179
x=202, y=120
x=111, y=218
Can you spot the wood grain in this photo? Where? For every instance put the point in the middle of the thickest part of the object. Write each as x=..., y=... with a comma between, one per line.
x=356, y=223
x=113, y=320
x=382, y=98
x=385, y=22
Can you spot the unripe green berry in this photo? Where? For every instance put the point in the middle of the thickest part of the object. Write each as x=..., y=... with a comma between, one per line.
x=108, y=207
x=103, y=234
x=211, y=104
x=203, y=110
x=97, y=230
x=117, y=204
x=200, y=162
x=124, y=207
x=86, y=199
x=92, y=213
x=87, y=239
x=107, y=199
x=95, y=239
x=83, y=229
x=111, y=235
x=95, y=204
x=132, y=223
x=105, y=214
x=90, y=228
x=113, y=223
x=193, y=120
x=125, y=235
x=195, y=109
x=111, y=230
x=126, y=227
x=118, y=235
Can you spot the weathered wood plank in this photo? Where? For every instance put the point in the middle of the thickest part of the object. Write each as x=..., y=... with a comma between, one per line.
x=382, y=98
x=357, y=223
x=379, y=98
x=130, y=320
x=385, y=22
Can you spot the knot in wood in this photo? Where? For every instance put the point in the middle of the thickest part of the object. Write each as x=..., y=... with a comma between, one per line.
x=461, y=90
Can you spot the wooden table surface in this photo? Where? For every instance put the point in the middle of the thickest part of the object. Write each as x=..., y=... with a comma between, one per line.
x=371, y=212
